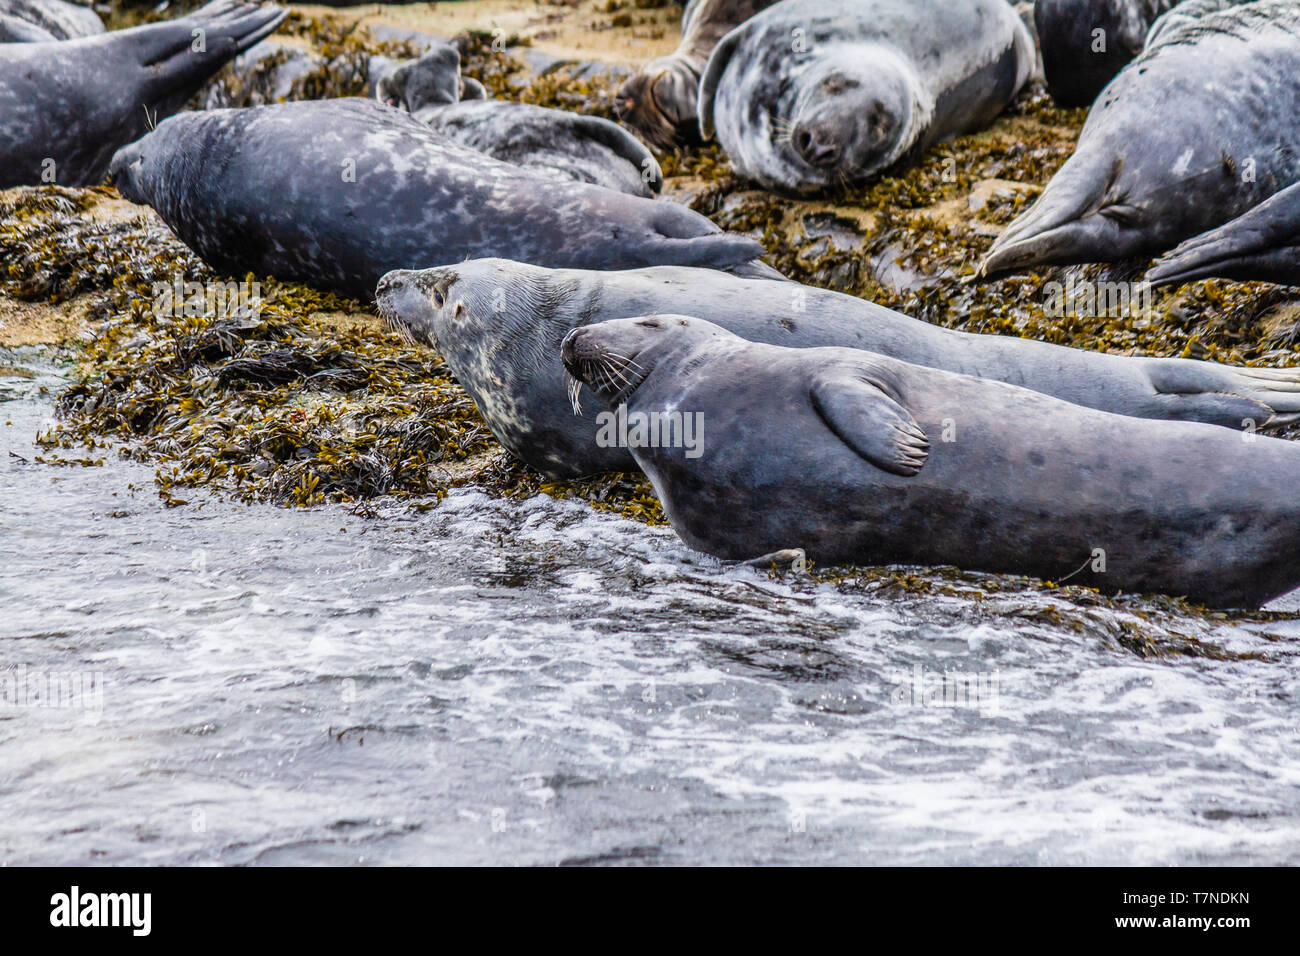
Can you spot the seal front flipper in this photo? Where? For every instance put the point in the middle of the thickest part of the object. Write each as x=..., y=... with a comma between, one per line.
x=858, y=408
x=1262, y=244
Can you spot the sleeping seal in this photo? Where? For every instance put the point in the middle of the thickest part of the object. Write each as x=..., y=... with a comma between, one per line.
x=815, y=93
x=659, y=101
x=499, y=324
x=47, y=20
x=1262, y=245
x=1228, y=83
x=859, y=458
x=66, y=106
x=335, y=193
x=570, y=146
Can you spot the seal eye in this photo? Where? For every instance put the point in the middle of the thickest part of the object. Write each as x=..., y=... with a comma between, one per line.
x=438, y=299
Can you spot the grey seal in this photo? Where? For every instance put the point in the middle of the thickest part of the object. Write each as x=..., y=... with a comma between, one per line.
x=1261, y=245
x=1085, y=43
x=858, y=458
x=66, y=106
x=584, y=149
x=660, y=100
x=335, y=193
x=1226, y=83
x=46, y=20
x=810, y=94
x=498, y=325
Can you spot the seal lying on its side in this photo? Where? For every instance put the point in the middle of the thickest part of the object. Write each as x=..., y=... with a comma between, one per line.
x=1229, y=83
x=1261, y=246
x=66, y=106
x=858, y=458
x=499, y=324
x=659, y=102
x=335, y=193
x=47, y=20
x=585, y=149
x=816, y=93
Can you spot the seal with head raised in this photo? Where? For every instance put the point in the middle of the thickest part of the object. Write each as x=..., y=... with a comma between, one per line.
x=66, y=106
x=659, y=101
x=858, y=458
x=810, y=94
x=585, y=149
x=1262, y=245
x=335, y=193
x=1227, y=84
x=499, y=325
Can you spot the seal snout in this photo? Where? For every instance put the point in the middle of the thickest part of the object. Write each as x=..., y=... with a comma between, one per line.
x=817, y=144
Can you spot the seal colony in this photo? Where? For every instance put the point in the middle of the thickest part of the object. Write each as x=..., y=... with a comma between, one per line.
x=816, y=420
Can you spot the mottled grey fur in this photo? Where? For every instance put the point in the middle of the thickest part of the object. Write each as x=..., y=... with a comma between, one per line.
x=810, y=94
x=564, y=145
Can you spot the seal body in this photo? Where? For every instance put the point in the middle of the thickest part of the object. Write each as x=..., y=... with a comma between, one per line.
x=1228, y=79
x=335, y=193
x=810, y=94
x=1085, y=43
x=498, y=325
x=584, y=149
x=1261, y=245
x=857, y=458
x=48, y=20
x=66, y=106
x=660, y=100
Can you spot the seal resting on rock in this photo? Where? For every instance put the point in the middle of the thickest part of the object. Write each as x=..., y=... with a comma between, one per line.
x=66, y=106
x=858, y=458
x=660, y=100
x=585, y=149
x=810, y=94
x=1226, y=85
x=335, y=193
x=498, y=325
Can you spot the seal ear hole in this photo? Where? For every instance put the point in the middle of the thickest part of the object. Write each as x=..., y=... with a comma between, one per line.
x=460, y=308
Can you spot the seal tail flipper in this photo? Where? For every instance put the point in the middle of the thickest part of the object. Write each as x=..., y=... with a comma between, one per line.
x=688, y=239
x=182, y=54
x=1227, y=395
x=863, y=415
x=622, y=144
x=1070, y=222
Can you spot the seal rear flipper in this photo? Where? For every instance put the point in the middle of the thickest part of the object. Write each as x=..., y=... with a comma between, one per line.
x=182, y=54
x=622, y=144
x=472, y=89
x=685, y=238
x=14, y=30
x=862, y=414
